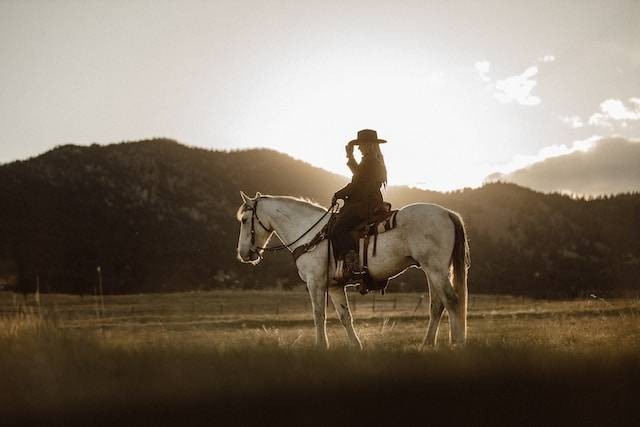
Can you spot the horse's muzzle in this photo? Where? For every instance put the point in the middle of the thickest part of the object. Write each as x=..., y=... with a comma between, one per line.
x=251, y=256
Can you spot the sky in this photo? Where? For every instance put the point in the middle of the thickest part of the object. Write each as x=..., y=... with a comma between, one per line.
x=461, y=90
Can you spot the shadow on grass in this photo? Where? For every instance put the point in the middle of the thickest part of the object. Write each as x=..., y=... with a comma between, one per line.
x=55, y=376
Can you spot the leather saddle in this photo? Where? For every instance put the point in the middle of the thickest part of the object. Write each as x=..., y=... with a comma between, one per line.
x=382, y=220
x=370, y=225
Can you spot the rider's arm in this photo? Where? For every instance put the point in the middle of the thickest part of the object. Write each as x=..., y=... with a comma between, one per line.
x=351, y=162
x=345, y=192
x=353, y=165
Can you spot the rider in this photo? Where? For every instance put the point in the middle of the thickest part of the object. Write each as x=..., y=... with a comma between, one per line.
x=362, y=198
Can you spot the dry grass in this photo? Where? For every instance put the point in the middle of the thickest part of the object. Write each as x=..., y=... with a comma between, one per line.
x=183, y=354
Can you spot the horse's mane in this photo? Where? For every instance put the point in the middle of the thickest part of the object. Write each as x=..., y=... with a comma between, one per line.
x=302, y=200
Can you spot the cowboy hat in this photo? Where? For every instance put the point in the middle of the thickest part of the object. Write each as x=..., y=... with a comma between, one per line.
x=367, y=136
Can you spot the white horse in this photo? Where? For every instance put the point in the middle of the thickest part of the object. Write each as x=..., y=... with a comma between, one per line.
x=427, y=236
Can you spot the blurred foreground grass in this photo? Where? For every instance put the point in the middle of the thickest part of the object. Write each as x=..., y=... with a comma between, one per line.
x=181, y=359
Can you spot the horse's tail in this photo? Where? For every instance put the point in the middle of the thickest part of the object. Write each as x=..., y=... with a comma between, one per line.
x=459, y=265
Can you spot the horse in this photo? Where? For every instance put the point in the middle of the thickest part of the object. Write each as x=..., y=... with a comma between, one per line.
x=427, y=236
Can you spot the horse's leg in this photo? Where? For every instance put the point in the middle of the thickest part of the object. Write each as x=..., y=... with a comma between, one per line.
x=440, y=283
x=317, y=292
x=436, y=307
x=341, y=303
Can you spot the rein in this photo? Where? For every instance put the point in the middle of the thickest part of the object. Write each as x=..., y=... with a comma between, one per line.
x=255, y=217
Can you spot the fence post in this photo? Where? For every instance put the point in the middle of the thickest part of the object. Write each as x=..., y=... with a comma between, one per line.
x=101, y=290
x=95, y=301
x=37, y=293
x=373, y=304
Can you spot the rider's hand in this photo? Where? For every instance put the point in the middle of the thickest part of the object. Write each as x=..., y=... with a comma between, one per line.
x=349, y=148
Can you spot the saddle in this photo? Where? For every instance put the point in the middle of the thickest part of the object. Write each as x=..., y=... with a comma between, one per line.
x=382, y=220
x=384, y=217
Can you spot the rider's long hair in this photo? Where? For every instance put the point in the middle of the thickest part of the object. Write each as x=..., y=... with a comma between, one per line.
x=375, y=151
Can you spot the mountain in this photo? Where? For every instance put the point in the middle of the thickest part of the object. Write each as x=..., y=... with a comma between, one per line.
x=155, y=215
x=609, y=166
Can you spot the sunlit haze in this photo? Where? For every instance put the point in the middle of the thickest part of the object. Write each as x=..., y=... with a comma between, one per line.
x=460, y=90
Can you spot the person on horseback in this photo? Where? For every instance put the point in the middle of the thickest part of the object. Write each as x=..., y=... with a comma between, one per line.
x=362, y=198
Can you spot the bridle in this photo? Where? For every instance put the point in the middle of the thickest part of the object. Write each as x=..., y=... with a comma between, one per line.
x=255, y=217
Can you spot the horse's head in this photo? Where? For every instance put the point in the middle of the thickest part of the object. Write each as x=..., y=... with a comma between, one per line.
x=254, y=233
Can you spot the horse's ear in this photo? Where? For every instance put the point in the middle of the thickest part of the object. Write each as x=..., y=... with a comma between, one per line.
x=258, y=194
x=244, y=197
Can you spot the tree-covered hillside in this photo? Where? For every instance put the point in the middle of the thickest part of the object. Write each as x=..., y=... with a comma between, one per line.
x=156, y=216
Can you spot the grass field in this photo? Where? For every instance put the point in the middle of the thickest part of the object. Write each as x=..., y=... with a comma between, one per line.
x=244, y=358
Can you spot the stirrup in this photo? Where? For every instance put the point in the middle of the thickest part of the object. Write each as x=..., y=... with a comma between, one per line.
x=349, y=276
x=362, y=288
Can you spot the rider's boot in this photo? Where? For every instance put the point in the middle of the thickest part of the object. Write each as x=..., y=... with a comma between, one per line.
x=350, y=264
x=352, y=270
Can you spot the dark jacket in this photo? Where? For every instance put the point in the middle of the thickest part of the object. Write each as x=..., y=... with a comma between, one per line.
x=362, y=194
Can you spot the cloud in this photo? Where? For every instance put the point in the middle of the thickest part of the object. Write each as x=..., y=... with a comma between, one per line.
x=600, y=119
x=483, y=68
x=524, y=160
x=513, y=89
x=592, y=167
x=518, y=88
x=574, y=121
x=614, y=110
x=618, y=111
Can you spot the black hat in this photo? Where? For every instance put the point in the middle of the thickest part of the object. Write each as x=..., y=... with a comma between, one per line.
x=367, y=136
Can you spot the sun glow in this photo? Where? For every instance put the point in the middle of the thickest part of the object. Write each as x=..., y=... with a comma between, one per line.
x=434, y=120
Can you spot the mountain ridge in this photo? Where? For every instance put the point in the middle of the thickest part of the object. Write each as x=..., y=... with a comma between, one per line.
x=156, y=215
x=607, y=166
